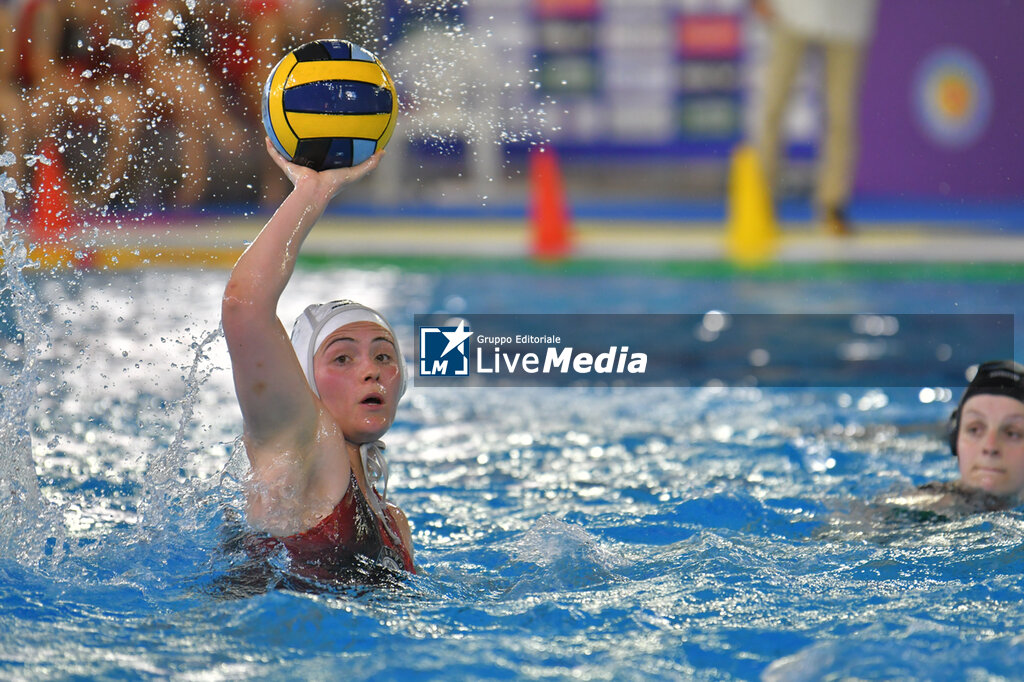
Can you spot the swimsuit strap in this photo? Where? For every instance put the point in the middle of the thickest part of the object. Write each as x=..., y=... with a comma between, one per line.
x=375, y=466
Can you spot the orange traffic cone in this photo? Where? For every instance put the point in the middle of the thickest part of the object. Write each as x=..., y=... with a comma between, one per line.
x=51, y=214
x=51, y=208
x=549, y=211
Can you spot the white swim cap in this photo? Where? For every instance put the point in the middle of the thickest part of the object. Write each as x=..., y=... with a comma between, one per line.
x=320, y=320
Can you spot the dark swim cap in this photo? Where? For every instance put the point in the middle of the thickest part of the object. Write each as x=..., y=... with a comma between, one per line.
x=999, y=377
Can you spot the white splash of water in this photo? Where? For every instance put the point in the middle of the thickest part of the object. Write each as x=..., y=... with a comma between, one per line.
x=461, y=85
x=165, y=486
x=30, y=527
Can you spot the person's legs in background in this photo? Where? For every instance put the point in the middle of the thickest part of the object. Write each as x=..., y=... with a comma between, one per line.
x=843, y=62
x=787, y=53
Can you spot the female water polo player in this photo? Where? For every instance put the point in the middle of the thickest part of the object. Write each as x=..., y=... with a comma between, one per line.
x=314, y=405
x=986, y=435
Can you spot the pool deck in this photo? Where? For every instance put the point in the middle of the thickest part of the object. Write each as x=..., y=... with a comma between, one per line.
x=216, y=241
x=221, y=239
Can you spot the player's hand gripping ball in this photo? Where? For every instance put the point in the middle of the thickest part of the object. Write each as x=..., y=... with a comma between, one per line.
x=329, y=104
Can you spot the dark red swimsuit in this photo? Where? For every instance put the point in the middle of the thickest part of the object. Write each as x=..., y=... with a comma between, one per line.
x=343, y=540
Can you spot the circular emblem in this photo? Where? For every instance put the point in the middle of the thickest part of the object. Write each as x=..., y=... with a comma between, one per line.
x=389, y=559
x=952, y=97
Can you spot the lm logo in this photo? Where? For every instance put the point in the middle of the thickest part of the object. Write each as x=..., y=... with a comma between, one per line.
x=444, y=351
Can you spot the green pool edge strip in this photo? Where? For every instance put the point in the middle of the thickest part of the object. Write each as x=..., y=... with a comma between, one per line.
x=955, y=271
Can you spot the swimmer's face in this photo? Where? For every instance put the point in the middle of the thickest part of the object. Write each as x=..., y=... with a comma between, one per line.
x=357, y=375
x=990, y=445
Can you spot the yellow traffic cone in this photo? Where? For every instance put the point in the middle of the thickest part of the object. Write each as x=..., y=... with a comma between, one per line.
x=752, y=237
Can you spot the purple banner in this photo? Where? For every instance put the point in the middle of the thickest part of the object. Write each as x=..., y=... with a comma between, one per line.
x=942, y=107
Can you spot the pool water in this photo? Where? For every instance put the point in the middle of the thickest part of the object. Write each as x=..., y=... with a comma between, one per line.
x=574, y=533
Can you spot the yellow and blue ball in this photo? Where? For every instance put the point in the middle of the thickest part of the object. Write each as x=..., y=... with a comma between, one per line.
x=329, y=104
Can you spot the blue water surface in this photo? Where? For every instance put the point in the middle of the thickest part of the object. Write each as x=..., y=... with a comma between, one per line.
x=573, y=533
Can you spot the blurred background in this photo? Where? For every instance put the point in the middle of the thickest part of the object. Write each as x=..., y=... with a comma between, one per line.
x=154, y=107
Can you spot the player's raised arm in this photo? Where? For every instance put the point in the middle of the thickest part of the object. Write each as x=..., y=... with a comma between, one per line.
x=272, y=392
